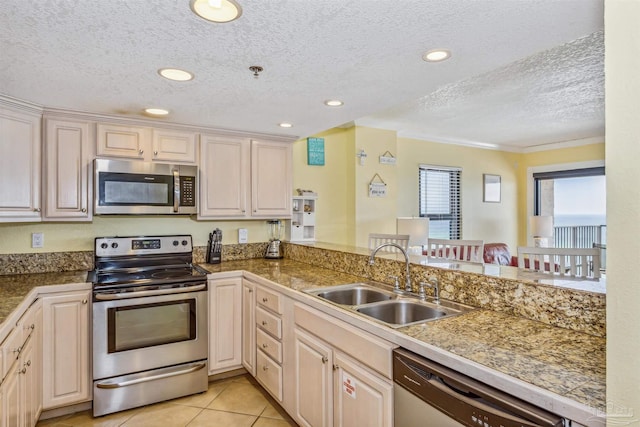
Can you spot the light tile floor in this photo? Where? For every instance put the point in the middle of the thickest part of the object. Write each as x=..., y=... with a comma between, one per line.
x=232, y=402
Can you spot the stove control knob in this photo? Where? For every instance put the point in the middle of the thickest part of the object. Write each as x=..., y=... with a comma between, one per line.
x=114, y=245
x=104, y=246
x=184, y=243
x=176, y=243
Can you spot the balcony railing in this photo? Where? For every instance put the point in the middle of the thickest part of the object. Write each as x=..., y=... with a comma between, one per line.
x=582, y=236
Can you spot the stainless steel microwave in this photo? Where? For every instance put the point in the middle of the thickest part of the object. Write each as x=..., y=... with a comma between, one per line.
x=144, y=188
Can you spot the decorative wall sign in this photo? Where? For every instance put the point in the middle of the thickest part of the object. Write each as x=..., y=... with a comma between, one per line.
x=315, y=151
x=492, y=184
x=387, y=159
x=377, y=189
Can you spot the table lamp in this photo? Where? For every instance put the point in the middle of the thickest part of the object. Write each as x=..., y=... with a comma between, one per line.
x=541, y=228
x=418, y=230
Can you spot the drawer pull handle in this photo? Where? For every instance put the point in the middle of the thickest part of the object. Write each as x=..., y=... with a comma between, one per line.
x=141, y=152
x=264, y=323
x=84, y=301
x=22, y=371
x=265, y=368
x=250, y=290
x=264, y=345
x=336, y=367
x=28, y=362
x=265, y=299
x=324, y=359
x=17, y=350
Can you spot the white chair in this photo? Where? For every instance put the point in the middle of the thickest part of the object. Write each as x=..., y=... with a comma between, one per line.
x=376, y=240
x=457, y=250
x=572, y=262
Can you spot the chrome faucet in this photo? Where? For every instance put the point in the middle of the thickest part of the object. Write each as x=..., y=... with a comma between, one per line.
x=433, y=283
x=407, y=277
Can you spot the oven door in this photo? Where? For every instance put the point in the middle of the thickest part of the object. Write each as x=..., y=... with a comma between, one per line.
x=136, y=334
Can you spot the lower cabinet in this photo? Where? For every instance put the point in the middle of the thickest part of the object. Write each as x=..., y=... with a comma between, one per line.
x=20, y=391
x=270, y=364
x=66, y=377
x=225, y=324
x=342, y=374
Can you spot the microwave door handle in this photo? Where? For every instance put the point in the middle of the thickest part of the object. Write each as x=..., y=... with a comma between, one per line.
x=176, y=190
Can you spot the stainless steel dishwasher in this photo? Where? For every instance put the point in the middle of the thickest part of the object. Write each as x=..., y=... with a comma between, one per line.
x=429, y=394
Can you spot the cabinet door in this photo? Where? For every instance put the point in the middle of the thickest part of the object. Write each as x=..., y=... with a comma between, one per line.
x=225, y=324
x=19, y=166
x=28, y=383
x=224, y=177
x=66, y=376
x=249, y=327
x=122, y=141
x=10, y=391
x=361, y=398
x=313, y=381
x=68, y=175
x=271, y=169
x=174, y=146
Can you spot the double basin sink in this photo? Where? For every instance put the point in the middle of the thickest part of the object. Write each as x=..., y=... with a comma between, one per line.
x=392, y=309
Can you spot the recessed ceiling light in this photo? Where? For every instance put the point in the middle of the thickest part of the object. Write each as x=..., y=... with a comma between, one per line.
x=436, y=55
x=216, y=10
x=333, y=103
x=285, y=125
x=175, y=74
x=156, y=111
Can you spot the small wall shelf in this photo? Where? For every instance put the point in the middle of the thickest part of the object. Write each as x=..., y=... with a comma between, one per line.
x=302, y=226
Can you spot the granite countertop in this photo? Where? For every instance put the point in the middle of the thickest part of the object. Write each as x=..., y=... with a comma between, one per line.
x=565, y=362
x=562, y=361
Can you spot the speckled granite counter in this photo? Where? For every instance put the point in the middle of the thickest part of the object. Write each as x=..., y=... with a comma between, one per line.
x=15, y=288
x=565, y=362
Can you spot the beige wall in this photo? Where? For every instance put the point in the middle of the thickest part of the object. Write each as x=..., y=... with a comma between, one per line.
x=622, y=88
x=491, y=222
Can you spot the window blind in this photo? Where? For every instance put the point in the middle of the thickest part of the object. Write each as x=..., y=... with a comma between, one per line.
x=439, y=189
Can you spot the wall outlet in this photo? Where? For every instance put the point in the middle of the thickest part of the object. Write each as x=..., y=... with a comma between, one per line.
x=243, y=235
x=37, y=240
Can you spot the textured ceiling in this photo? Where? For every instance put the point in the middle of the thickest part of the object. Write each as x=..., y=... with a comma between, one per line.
x=523, y=72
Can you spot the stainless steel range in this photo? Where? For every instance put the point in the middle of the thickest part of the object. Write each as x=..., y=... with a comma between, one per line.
x=149, y=322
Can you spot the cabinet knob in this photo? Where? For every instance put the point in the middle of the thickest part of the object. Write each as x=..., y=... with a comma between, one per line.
x=141, y=151
x=36, y=209
x=265, y=368
x=22, y=371
x=264, y=323
x=17, y=350
x=335, y=367
x=265, y=299
x=27, y=363
x=155, y=153
x=324, y=359
x=83, y=210
x=264, y=345
x=84, y=301
x=250, y=291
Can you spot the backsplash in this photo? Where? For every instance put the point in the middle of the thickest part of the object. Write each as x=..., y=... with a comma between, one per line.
x=558, y=306
x=54, y=262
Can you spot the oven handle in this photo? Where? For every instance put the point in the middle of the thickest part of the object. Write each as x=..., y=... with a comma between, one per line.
x=152, y=378
x=127, y=295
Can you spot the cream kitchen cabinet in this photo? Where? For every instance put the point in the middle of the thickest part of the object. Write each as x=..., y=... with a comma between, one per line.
x=244, y=178
x=20, y=165
x=225, y=324
x=249, y=326
x=269, y=340
x=66, y=378
x=144, y=143
x=20, y=391
x=68, y=154
x=343, y=375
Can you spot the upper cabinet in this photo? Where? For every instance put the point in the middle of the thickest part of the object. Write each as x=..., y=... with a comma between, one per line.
x=68, y=155
x=143, y=143
x=20, y=154
x=244, y=178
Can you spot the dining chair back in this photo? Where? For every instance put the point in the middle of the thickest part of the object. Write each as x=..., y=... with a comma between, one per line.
x=376, y=239
x=573, y=262
x=458, y=250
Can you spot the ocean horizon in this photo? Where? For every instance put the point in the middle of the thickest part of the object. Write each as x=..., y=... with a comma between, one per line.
x=568, y=220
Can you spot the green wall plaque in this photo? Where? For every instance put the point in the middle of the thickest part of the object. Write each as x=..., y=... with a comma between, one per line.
x=315, y=151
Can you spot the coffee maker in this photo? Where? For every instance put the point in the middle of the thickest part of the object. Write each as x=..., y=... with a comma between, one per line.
x=274, y=248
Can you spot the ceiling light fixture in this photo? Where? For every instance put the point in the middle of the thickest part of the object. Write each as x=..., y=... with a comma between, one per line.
x=256, y=70
x=156, y=111
x=219, y=11
x=175, y=74
x=436, y=55
x=333, y=103
x=285, y=125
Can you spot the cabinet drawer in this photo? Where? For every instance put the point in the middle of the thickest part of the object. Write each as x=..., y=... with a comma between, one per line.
x=269, y=322
x=269, y=374
x=270, y=300
x=369, y=349
x=309, y=218
x=269, y=345
x=11, y=348
x=28, y=323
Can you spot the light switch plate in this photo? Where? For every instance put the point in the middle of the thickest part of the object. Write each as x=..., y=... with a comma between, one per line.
x=37, y=240
x=243, y=235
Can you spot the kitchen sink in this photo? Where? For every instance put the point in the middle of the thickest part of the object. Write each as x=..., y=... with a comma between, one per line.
x=393, y=309
x=354, y=294
x=405, y=312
